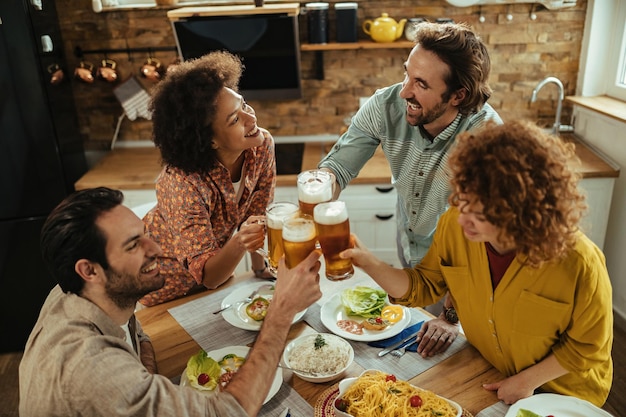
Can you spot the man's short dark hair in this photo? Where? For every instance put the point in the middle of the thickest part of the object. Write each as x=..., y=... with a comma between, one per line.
x=70, y=233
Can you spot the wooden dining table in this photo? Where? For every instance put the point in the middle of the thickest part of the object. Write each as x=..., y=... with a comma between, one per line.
x=459, y=377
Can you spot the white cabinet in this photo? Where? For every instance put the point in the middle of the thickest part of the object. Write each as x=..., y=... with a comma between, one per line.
x=372, y=212
x=599, y=193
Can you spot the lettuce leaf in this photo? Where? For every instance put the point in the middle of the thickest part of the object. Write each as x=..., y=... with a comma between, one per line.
x=526, y=413
x=363, y=301
x=201, y=363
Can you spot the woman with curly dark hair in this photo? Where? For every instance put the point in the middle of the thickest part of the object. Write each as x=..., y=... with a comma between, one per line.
x=218, y=178
x=531, y=290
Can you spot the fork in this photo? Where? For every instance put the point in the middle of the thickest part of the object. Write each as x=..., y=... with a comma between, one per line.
x=245, y=300
x=400, y=352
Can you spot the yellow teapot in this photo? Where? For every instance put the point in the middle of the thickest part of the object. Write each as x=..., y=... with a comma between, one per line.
x=384, y=28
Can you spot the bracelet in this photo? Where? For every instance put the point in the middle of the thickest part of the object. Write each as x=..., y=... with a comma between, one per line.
x=449, y=315
x=259, y=272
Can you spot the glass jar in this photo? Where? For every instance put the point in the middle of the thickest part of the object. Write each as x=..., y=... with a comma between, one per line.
x=410, y=29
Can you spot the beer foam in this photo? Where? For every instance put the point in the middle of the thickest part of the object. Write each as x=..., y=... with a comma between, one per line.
x=299, y=230
x=315, y=192
x=315, y=186
x=277, y=214
x=331, y=213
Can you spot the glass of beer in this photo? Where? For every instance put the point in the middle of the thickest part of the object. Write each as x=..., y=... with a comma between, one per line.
x=333, y=234
x=275, y=215
x=314, y=186
x=299, y=239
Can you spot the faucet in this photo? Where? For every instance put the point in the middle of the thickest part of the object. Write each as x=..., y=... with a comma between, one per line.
x=557, y=122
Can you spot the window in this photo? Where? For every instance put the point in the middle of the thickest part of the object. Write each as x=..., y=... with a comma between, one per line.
x=616, y=68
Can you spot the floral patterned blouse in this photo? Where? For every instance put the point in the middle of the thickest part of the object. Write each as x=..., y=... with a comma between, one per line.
x=196, y=214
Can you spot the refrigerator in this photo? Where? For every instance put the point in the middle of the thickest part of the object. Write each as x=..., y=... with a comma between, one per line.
x=41, y=156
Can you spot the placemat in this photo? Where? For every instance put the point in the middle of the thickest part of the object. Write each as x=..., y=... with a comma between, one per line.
x=405, y=367
x=212, y=332
x=324, y=403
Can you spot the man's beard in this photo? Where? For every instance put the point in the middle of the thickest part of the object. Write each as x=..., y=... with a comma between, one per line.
x=126, y=289
x=428, y=116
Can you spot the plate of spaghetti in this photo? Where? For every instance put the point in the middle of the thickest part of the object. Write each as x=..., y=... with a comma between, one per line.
x=378, y=394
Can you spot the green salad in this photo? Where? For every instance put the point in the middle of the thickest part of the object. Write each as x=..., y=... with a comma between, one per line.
x=203, y=372
x=363, y=301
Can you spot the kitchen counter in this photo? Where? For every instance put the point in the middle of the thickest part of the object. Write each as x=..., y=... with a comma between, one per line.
x=138, y=168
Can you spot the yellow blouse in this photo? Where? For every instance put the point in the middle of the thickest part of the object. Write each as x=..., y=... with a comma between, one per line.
x=564, y=307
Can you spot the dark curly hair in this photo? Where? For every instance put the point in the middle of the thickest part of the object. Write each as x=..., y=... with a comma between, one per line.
x=184, y=105
x=70, y=233
x=523, y=178
x=466, y=55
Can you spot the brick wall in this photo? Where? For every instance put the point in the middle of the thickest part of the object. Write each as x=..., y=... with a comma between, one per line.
x=523, y=51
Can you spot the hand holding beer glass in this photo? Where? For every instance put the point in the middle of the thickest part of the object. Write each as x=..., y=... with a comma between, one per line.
x=275, y=215
x=314, y=186
x=333, y=234
x=299, y=239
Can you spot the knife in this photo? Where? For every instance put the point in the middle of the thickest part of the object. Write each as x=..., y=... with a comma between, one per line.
x=399, y=344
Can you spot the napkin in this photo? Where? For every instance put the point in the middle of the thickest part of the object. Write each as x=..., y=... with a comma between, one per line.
x=398, y=338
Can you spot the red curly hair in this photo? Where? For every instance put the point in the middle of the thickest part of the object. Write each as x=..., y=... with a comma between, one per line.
x=525, y=181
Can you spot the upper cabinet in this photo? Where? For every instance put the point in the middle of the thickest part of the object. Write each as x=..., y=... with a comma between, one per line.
x=549, y=4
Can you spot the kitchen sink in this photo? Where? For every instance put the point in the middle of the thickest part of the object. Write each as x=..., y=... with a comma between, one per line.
x=288, y=158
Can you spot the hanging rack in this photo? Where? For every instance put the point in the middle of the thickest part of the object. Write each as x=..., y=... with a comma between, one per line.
x=79, y=52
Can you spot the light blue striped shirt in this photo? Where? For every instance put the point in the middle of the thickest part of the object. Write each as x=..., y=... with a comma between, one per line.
x=418, y=166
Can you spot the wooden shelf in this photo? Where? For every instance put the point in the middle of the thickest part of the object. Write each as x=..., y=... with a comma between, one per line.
x=292, y=9
x=334, y=46
x=319, y=49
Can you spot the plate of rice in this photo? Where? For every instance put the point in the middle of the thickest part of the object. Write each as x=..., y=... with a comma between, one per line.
x=318, y=357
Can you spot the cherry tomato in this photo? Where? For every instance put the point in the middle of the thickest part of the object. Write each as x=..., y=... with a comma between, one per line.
x=203, y=379
x=392, y=314
x=416, y=401
x=391, y=377
x=341, y=405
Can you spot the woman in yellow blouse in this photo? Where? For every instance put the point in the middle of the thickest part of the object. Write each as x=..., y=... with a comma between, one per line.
x=219, y=176
x=531, y=290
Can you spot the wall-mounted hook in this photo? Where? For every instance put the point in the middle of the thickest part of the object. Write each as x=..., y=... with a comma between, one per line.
x=532, y=15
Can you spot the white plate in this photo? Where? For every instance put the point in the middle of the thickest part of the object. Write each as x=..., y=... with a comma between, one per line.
x=557, y=405
x=344, y=384
x=236, y=315
x=333, y=311
x=239, y=351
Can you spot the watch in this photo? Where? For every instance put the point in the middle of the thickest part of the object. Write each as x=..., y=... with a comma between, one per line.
x=449, y=313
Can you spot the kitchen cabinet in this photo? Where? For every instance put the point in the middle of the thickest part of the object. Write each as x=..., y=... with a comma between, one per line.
x=372, y=211
x=599, y=193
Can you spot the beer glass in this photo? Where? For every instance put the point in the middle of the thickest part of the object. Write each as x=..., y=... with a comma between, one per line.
x=299, y=239
x=314, y=186
x=275, y=214
x=333, y=234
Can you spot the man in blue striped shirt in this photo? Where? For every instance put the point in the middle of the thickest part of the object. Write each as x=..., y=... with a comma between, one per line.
x=444, y=92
